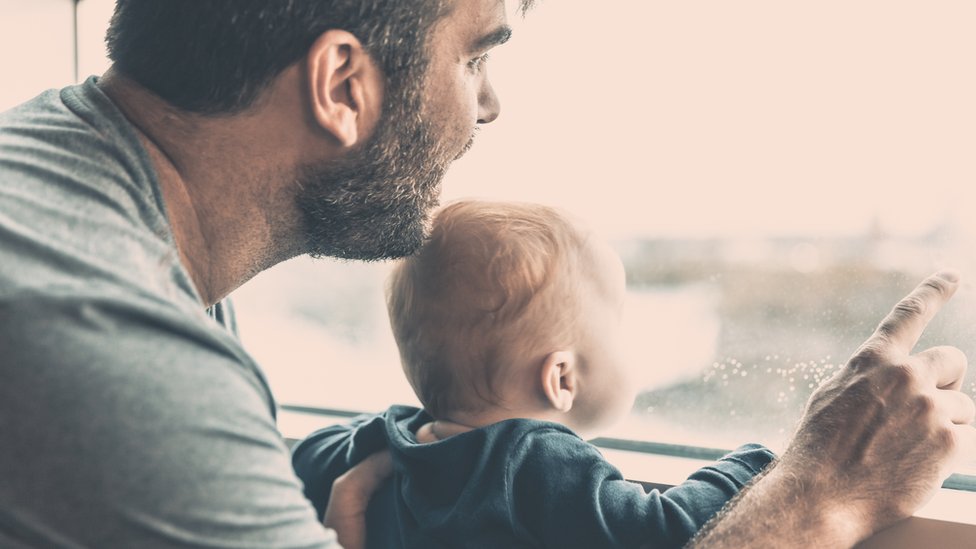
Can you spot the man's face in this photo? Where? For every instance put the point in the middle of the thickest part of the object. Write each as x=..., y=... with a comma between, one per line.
x=460, y=96
x=376, y=203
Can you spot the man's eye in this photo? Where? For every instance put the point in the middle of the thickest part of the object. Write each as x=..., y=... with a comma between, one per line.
x=478, y=62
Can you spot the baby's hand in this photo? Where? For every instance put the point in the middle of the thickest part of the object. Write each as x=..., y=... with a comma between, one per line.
x=346, y=512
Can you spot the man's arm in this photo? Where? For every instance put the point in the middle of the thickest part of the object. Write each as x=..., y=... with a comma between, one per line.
x=126, y=423
x=875, y=442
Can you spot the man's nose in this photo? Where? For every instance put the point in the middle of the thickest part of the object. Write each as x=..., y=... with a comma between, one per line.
x=488, y=105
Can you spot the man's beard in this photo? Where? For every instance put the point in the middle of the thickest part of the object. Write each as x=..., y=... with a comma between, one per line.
x=469, y=144
x=376, y=203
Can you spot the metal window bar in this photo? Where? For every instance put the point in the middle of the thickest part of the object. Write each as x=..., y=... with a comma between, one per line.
x=75, y=45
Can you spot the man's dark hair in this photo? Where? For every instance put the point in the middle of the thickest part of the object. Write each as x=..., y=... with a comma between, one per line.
x=217, y=56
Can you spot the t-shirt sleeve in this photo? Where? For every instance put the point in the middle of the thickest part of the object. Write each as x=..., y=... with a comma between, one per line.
x=564, y=494
x=128, y=424
x=328, y=453
x=128, y=418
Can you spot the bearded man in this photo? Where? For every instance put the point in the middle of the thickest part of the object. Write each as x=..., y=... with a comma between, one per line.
x=230, y=135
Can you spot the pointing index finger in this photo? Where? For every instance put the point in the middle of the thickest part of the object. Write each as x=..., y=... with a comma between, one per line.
x=900, y=330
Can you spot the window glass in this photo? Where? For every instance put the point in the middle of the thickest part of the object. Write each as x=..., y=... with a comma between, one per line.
x=36, y=48
x=775, y=176
x=37, y=45
x=93, y=18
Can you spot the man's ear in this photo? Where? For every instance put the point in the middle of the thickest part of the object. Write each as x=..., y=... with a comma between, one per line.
x=559, y=379
x=346, y=87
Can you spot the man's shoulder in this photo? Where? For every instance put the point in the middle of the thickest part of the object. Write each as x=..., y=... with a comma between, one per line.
x=79, y=204
x=73, y=140
x=73, y=125
x=45, y=105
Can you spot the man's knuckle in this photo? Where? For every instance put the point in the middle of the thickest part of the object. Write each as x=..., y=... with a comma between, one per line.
x=901, y=375
x=945, y=438
x=937, y=285
x=887, y=329
x=924, y=405
x=936, y=356
x=872, y=353
x=863, y=390
x=969, y=408
x=911, y=306
x=956, y=354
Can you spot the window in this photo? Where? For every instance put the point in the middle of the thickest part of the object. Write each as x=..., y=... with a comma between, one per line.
x=774, y=175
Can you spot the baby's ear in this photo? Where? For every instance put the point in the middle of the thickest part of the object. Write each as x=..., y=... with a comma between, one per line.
x=559, y=379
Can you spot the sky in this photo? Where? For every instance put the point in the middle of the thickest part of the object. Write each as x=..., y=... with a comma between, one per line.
x=747, y=117
x=686, y=119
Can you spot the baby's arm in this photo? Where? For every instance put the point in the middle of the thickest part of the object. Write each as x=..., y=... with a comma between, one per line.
x=566, y=494
x=708, y=489
x=329, y=453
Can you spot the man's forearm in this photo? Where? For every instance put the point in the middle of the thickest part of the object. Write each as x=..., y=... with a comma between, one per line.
x=780, y=509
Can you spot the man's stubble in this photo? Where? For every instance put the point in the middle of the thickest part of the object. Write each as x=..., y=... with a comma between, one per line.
x=376, y=203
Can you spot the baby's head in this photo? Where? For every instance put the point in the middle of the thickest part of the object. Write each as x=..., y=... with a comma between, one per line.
x=512, y=310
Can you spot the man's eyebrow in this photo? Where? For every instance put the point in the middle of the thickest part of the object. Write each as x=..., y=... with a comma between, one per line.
x=496, y=37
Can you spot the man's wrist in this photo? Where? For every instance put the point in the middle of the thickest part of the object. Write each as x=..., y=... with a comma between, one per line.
x=816, y=507
x=784, y=506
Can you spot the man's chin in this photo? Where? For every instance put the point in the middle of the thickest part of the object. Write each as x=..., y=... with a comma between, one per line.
x=408, y=240
x=465, y=149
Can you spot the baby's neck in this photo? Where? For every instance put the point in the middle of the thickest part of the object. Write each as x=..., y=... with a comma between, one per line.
x=439, y=430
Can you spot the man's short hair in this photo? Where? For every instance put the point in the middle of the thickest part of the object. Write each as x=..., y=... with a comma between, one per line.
x=217, y=56
x=495, y=280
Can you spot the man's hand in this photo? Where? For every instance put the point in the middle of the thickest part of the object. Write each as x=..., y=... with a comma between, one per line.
x=881, y=436
x=346, y=512
x=875, y=443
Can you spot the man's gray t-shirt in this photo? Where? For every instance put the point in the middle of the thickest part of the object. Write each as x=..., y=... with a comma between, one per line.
x=129, y=417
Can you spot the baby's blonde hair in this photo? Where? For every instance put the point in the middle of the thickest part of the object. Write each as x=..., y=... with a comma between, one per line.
x=495, y=279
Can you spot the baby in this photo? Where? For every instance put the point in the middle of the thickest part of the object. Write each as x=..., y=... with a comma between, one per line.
x=507, y=325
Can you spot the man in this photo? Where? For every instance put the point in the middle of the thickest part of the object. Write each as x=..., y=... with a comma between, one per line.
x=233, y=134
